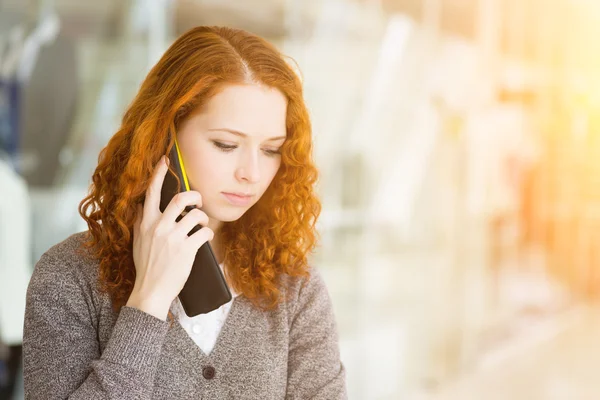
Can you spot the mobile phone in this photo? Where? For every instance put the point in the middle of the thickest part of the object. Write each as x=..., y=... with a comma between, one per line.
x=206, y=288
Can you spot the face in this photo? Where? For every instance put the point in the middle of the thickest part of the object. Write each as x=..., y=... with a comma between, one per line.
x=231, y=146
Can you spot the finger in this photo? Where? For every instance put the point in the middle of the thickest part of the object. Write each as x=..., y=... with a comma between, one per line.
x=152, y=202
x=193, y=218
x=201, y=237
x=180, y=202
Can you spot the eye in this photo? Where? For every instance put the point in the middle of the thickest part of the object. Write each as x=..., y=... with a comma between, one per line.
x=272, y=153
x=229, y=148
x=224, y=147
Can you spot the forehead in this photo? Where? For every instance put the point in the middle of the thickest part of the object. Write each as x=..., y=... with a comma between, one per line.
x=256, y=110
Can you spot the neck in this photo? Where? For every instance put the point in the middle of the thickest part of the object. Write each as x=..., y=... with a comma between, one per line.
x=215, y=226
x=216, y=247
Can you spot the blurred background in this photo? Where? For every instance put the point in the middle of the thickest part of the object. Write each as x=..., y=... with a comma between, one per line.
x=458, y=145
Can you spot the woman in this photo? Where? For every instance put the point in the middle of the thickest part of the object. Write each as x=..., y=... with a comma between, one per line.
x=102, y=317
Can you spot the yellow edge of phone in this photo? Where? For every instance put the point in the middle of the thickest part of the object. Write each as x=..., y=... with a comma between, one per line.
x=185, y=178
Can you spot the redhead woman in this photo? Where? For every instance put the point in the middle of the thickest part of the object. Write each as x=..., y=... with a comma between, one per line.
x=103, y=318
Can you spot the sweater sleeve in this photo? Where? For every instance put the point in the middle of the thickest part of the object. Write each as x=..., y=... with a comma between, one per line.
x=61, y=352
x=315, y=370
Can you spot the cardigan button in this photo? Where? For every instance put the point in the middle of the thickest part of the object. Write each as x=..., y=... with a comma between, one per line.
x=208, y=372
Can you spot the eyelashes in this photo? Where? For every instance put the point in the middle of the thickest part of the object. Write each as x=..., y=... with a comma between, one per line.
x=229, y=148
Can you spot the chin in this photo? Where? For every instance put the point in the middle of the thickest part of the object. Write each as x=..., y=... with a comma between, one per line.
x=228, y=215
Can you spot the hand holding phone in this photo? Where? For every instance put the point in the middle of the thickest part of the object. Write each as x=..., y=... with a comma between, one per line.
x=205, y=289
x=163, y=250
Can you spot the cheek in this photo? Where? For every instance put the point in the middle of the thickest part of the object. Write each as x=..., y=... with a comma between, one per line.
x=211, y=164
x=206, y=167
x=272, y=170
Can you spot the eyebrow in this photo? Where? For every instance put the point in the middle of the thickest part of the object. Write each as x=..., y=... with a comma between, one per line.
x=238, y=133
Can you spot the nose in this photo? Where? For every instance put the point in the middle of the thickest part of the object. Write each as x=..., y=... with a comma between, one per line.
x=249, y=170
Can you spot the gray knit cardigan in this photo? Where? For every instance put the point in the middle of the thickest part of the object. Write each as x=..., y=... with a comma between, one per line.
x=75, y=346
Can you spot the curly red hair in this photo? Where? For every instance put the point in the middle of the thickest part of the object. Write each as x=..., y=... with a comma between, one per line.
x=275, y=236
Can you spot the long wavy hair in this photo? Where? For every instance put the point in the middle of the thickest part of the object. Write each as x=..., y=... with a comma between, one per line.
x=275, y=236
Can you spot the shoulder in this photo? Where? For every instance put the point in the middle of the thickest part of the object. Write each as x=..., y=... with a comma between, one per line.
x=306, y=291
x=67, y=247
x=64, y=266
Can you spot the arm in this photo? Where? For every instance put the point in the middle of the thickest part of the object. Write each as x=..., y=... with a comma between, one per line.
x=314, y=367
x=61, y=355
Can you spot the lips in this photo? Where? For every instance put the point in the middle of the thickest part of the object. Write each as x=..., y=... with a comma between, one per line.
x=239, y=194
x=238, y=199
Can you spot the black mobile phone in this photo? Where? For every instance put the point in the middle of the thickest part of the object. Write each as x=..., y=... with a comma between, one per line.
x=206, y=288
